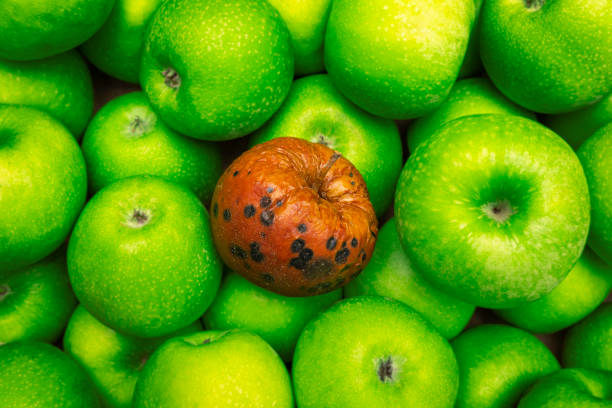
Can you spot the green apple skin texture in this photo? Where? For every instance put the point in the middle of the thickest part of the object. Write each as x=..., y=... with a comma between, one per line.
x=39, y=375
x=496, y=365
x=36, y=302
x=112, y=360
x=214, y=369
x=279, y=320
x=397, y=59
x=589, y=343
x=306, y=21
x=576, y=127
x=571, y=388
x=234, y=61
x=126, y=138
x=317, y=112
x=585, y=287
x=338, y=358
x=390, y=273
x=145, y=279
x=47, y=27
x=596, y=158
x=567, y=71
x=60, y=85
x=116, y=48
x=468, y=97
x=44, y=183
x=456, y=179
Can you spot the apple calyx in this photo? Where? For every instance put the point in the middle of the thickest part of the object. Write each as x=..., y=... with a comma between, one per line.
x=171, y=78
x=138, y=218
x=534, y=5
x=386, y=370
x=5, y=290
x=499, y=211
x=137, y=126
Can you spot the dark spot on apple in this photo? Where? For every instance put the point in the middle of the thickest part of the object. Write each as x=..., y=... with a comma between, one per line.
x=297, y=263
x=262, y=234
x=279, y=203
x=246, y=265
x=256, y=255
x=237, y=251
x=354, y=242
x=265, y=202
x=227, y=215
x=331, y=243
x=215, y=209
x=171, y=78
x=351, y=174
x=342, y=255
x=267, y=218
x=344, y=244
x=352, y=183
x=235, y=173
x=267, y=278
x=302, y=228
x=306, y=254
x=373, y=234
x=317, y=269
x=363, y=257
x=249, y=211
x=270, y=190
x=248, y=172
x=297, y=245
x=385, y=370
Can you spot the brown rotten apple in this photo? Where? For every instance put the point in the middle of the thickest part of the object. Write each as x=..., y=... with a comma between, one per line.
x=293, y=217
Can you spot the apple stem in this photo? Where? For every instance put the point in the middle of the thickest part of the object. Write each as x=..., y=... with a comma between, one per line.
x=317, y=184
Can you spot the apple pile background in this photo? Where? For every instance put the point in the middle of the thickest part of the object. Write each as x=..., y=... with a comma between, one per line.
x=118, y=117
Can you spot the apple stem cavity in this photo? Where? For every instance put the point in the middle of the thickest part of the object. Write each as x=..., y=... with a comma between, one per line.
x=317, y=184
x=171, y=78
x=138, y=218
x=385, y=370
x=499, y=211
x=5, y=290
x=534, y=4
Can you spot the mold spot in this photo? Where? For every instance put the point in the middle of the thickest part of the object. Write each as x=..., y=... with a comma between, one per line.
x=297, y=245
x=235, y=173
x=215, y=209
x=279, y=203
x=267, y=218
x=331, y=243
x=265, y=202
x=351, y=174
x=237, y=251
x=302, y=228
x=249, y=211
x=317, y=269
x=306, y=254
x=352, y=183
x=227, y=215
x=363, y=257
x=297, y=263
x=267, y=278
x=256, y=255
x=270, y=190
x=342, y=255
x=354, y=242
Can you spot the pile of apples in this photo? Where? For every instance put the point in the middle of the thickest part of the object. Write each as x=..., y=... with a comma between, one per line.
x=210, y=237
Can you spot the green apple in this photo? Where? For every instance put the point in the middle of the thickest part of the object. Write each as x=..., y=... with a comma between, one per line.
x=141, y=257
x=36, y=374
x=468, y=97
x=371, y=351
x=306, y=21
x=42, y=28
x=472, y=65
x=576, y=127
x=397, y=59
x=589, y=343
x=317, y=112
x=43, y=184
x=126, y=138
x=214, y=369
x=496, y=365
x=493, y=209
x=114, y=361
x=570, y=388
x=585, y=288
x=36, y=302
x=59, y=85
x=216, y=69
x=548, y=56
x=116, y=48
x=390, y=273
x=278, y=319
x=596, y=158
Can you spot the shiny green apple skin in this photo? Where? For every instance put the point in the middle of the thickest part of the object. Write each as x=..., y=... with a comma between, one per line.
x=596, y=158
x=390, y=273
x=34, y=374
x=160, y=269
x=576, y=127
x=40, y=29
x=567, y=71
x=279, y=320
x=373, y=351
x=112, y=360
x=116, y=48
x=216, y=69
x=44, y=183
x=493, y=209
x=306, y=21
x=60, y=85
x=473, y=96
x=589, y=343
x=214, y=369
x=36, y=302
x=397, y=59
x=317, y=112
x=497, y=364
x=126, y=138
x=570, y=388
x=584, y=288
